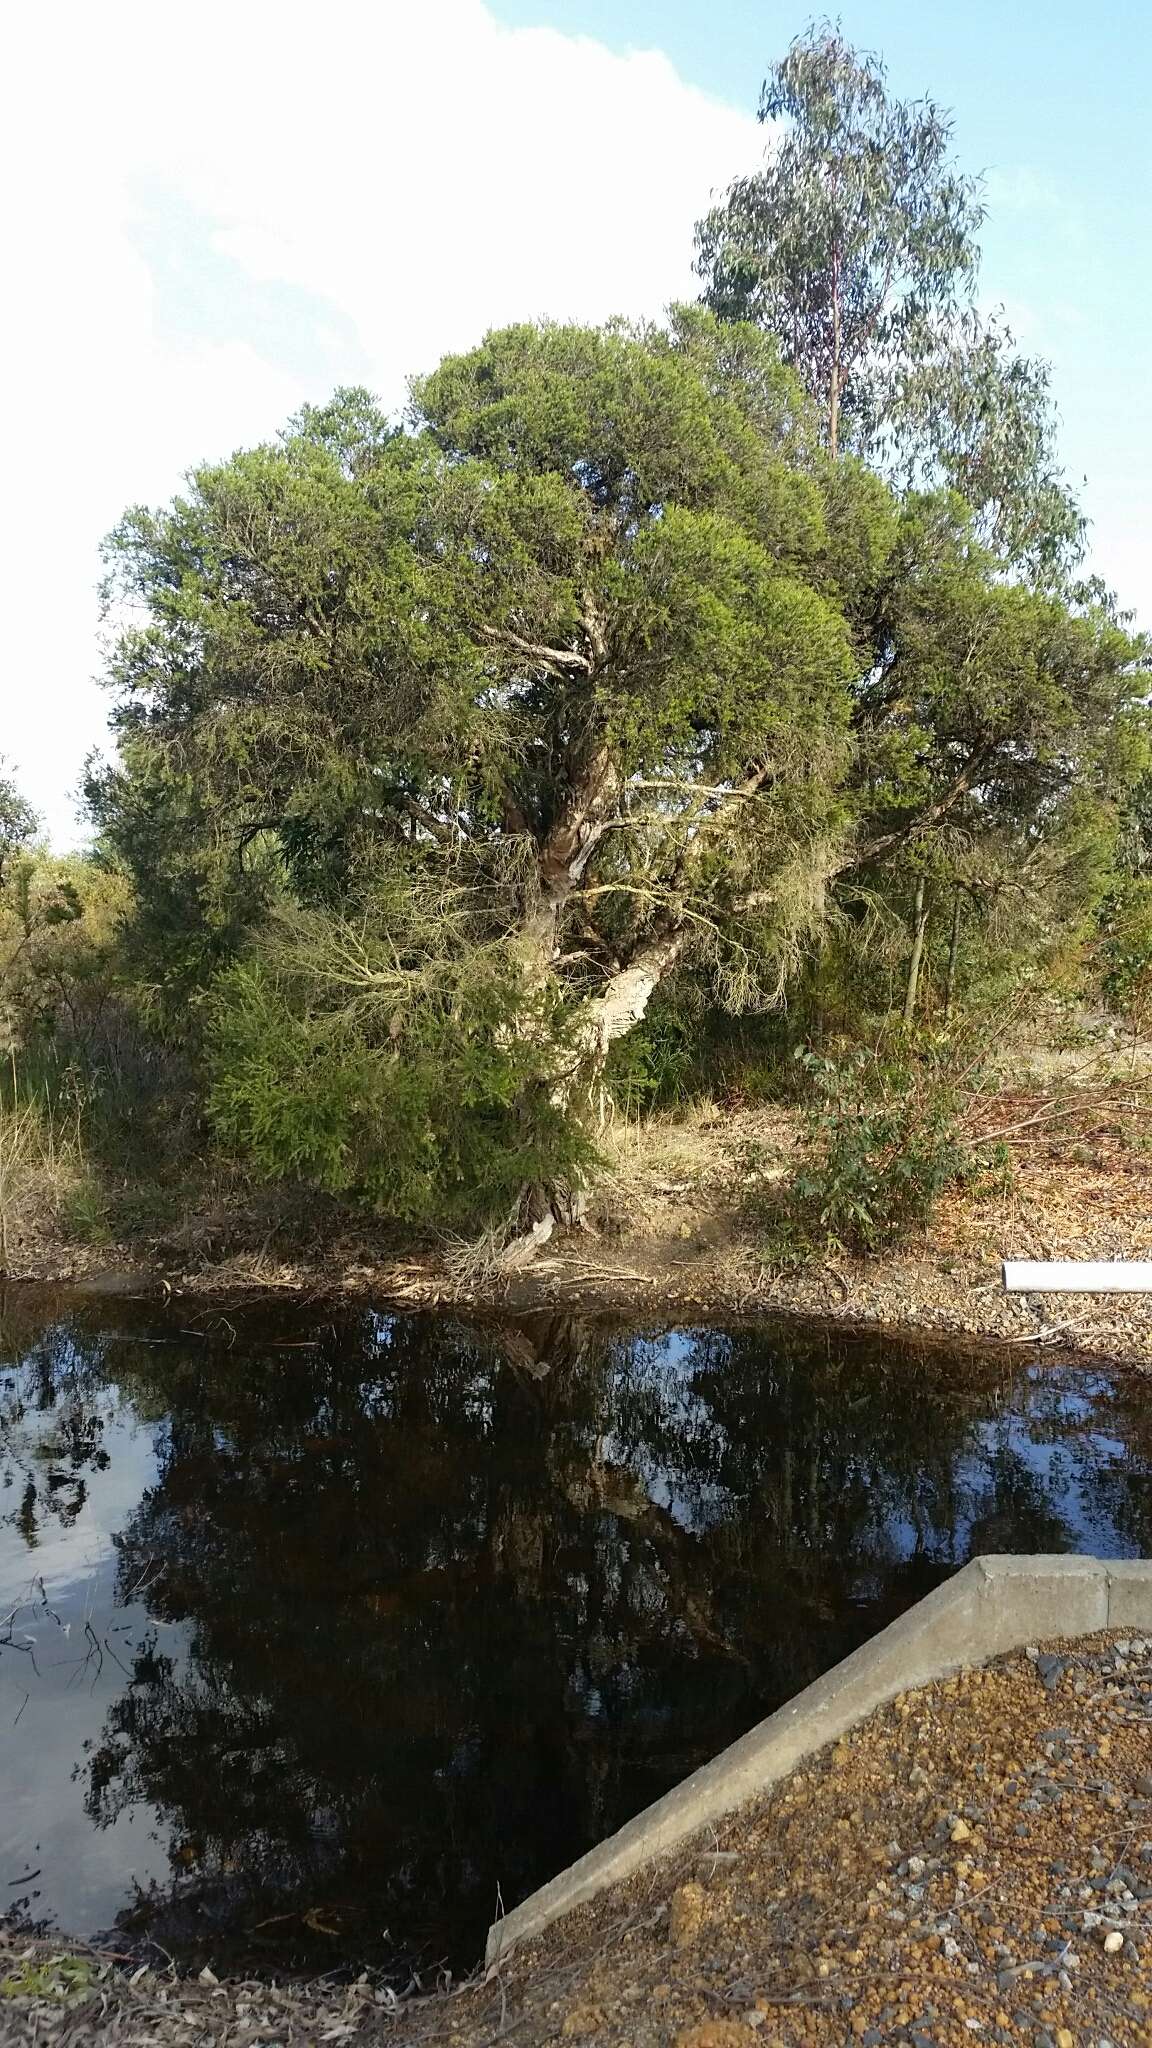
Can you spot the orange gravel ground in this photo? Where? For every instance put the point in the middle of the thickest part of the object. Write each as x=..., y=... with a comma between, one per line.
x=972, y=1865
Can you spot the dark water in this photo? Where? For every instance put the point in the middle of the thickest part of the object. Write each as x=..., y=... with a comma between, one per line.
x=324, y=1629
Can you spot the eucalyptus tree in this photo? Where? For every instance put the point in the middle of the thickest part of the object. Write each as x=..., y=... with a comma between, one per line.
x=857, y=231
x=856, y=244
x=18, y=821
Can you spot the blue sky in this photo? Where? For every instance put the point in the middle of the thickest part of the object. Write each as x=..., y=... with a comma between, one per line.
x=212, y=229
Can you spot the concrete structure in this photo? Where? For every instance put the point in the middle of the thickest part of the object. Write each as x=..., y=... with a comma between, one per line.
x=994, y=1604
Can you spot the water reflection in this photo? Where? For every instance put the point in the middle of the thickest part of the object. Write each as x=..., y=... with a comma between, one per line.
x=341, y=1622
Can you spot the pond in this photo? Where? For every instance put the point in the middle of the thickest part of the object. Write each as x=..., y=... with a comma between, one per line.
x=324, y=1630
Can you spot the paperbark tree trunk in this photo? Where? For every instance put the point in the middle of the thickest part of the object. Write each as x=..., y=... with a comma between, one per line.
x=564, y=855
x=920, y=923
x=623, y=1001
x=609, y=1016
x=953, y=954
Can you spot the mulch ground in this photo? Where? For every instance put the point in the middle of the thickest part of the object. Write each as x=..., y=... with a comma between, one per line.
x=67, y=1997
x=972, y=1865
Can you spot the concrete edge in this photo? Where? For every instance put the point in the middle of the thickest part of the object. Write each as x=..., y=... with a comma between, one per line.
x=994, y=1604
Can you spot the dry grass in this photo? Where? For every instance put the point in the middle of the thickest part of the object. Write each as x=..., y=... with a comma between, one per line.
x=665, y=1174
x=41, y=1165
x=679, y=1221
x=471, y=1262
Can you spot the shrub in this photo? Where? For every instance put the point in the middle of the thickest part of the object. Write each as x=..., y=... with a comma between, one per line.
x=655, y=1065
x=1126, y=947
x=883, y=1140
x=429, y=1089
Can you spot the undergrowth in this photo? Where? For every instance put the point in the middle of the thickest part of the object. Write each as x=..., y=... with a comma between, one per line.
x=883, y=1137
x=42, y=1168
x=60, y=1978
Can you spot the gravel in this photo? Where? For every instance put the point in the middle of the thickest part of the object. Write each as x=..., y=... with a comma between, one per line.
x=973, y=1865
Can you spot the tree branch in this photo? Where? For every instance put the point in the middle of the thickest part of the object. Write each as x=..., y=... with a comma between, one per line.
x=917, y=827
x=560, y=659
x=439, y=829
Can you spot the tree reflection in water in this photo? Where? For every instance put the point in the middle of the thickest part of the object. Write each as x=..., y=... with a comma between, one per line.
x=455, y=1601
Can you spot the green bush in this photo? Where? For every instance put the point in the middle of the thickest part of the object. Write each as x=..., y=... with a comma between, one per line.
x=442, y=1111
x=1125, y=921
x=654, y=1066
x=84, y=1213
x=883, y=1140
x=61, y=1977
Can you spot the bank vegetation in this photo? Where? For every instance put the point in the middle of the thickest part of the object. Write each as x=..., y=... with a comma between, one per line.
x=657, y=725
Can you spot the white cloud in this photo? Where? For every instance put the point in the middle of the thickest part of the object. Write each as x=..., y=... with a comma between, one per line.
x=404, y=176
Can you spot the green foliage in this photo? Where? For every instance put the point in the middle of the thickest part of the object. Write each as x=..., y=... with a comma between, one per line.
x=586, y=538
x=856, y=245
x=658, y=1065
x=82, y=1038
x=884, y=1141
x=62, y=1978
x=18, y=822
x=396, y=1064
x=444, y=744
x=856, y=232
x=196, y=894
x=85, y=1213
x=998, y=734
x=533, y=652
x=60, y=923
x=977, y=416
x=1126, y=946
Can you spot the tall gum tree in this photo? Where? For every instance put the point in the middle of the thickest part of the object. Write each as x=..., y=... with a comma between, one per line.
x=569, y=659
x=997, y=713
x=856, y=244
x=854, y=235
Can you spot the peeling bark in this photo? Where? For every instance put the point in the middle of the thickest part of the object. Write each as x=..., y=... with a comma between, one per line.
x=563, y=858
x=606, y=1018
x=565, y=852
x=627, y=996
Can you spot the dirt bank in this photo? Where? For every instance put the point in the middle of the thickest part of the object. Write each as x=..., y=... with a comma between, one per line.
x=671, y=1233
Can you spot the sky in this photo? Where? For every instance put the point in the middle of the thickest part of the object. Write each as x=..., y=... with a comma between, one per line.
x=213, y=217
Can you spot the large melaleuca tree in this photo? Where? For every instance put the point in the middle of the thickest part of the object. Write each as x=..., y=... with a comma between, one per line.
x=480, y=729
x=443, y=747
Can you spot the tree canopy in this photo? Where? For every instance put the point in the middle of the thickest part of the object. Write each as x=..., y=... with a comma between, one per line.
x=563, y=669
x=856, y=244
x=854, y=235
x=442, y=747
x=628, y=656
